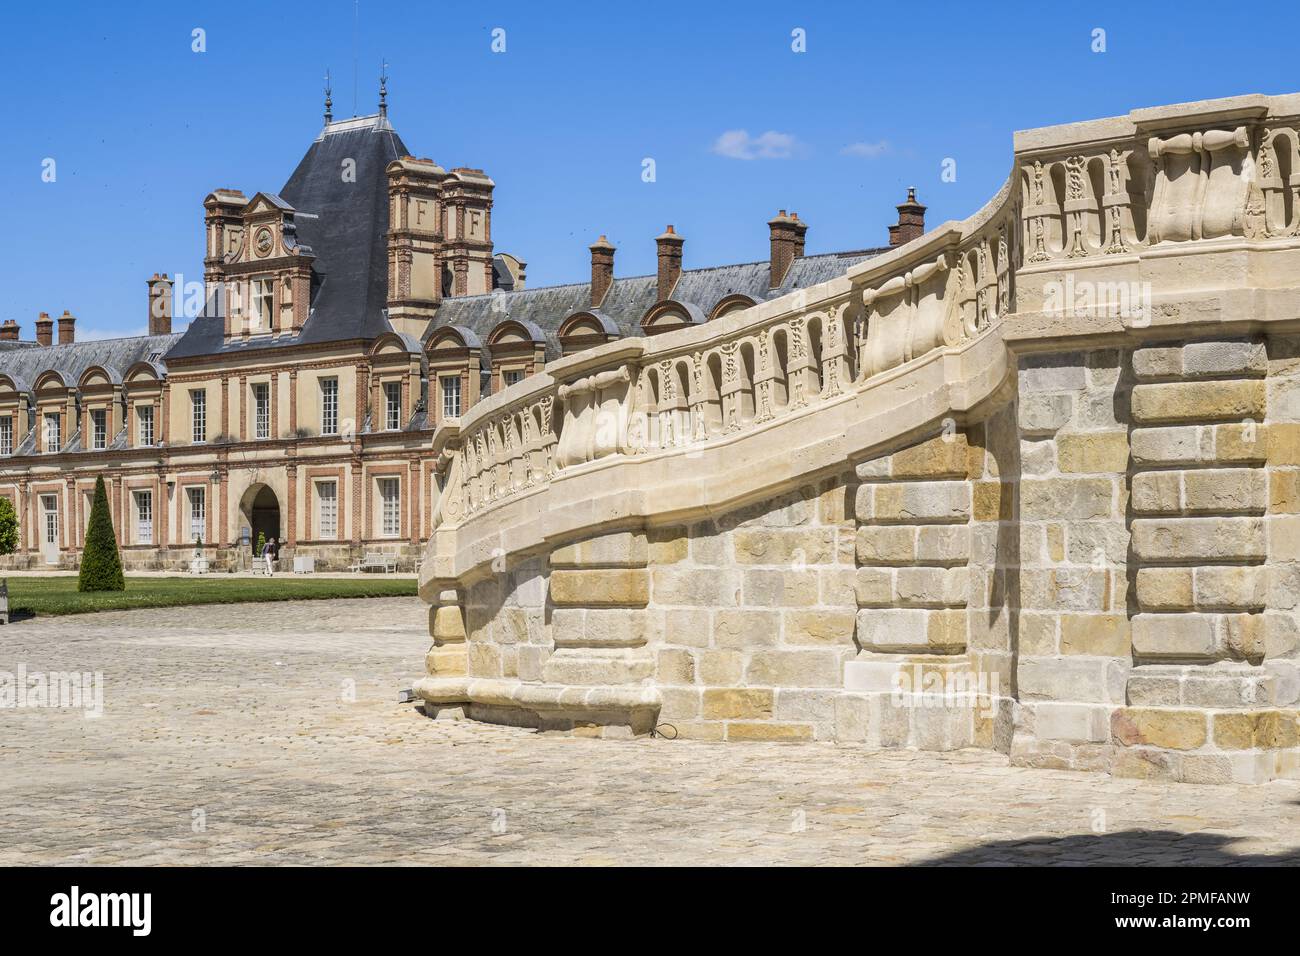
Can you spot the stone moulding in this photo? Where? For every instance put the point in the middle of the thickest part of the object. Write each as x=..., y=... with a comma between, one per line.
x=552, y=706
x=996, y=461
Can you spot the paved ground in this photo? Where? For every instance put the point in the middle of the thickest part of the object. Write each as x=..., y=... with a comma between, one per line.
x=228, y=736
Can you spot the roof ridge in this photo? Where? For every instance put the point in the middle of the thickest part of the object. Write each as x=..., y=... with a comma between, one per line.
x=617, y=279
x=107, y=338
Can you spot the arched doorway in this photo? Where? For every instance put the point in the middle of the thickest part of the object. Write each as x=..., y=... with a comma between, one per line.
x=260, y=512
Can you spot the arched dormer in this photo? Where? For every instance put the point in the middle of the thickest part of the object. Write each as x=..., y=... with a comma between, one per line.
x=454, y=356
x=735, y=302
x=394, y=380
x=101, y=407
x=669, y=315
x=518, y=349
x=56, y=411
x=16, y=398
x=144, y=404
x=585, y=330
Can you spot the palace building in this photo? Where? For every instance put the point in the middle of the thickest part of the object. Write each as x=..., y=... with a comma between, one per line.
x=343, y=319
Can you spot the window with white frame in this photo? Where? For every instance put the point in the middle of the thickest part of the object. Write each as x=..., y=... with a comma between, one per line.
x=451, y=396
x=6, y=435
x=198, y=512
x=53, y=431
x=199, y=414
x=262, y=409
x=144, y=416
x=329, y=406
x=327, y=510
x=390, y=523
x=144, y=517
x=392, y=406
x=98, y=428
x=511, y=376
x=263, y=304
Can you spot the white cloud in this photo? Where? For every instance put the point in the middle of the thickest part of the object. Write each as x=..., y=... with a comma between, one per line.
x=866, y=150
x=738, y=144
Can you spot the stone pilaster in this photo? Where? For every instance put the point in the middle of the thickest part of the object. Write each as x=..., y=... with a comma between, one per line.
x=447, y=658
x=1199, y=497
x=913, y=583
x=1073, y=634
x=599, y=589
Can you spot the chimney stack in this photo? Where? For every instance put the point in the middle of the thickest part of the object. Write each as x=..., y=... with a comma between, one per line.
x=160, y=304
x=44, y=329
x=911, y=220
x=602, y=270
x=9, y=331
x=67, y=328
x=670, y=261
x=800, y=231
x=785, y=237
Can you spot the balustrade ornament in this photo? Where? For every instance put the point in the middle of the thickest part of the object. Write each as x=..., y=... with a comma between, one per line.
x=1071, y=203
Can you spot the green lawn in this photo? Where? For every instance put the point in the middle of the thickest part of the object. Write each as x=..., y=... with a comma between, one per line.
x=59, y=595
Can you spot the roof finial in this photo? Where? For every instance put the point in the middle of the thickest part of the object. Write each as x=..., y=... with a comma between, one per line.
x=383, y=88
x=329, y=103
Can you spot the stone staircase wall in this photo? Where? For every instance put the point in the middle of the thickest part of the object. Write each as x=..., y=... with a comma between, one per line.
x=1030, y=482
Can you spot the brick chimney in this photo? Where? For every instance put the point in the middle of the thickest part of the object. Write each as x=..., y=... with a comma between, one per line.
x=785, y=237
x=9, y=331
x=800, y=231
x=44, y=329
x=602, y=270
x=670, y=261
x=67, y=328
x=160, y=304
x=911, y=220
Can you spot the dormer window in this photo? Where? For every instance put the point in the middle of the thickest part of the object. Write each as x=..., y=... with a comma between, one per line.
x=450, y=396
x=7, y=435
x=392, y=406
x=144, y=415
x=263, y=305
x=99, y=429
x=53, y=432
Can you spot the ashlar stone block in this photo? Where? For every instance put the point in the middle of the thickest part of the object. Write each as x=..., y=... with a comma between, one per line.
x=1207, y=401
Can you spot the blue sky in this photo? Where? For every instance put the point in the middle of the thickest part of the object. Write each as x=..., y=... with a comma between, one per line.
x=141, y=128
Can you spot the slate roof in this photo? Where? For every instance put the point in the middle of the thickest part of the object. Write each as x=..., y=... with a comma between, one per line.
x=630, y=297
x=346, y=226
x=26, y=364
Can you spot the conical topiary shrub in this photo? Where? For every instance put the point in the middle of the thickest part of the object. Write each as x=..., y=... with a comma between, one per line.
x=8, y=527
x=101, y=565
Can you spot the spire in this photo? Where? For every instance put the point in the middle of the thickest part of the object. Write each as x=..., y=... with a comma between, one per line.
x=329, y=103
x=383, y=88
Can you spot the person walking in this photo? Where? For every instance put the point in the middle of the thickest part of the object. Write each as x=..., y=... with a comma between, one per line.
x=268, y=552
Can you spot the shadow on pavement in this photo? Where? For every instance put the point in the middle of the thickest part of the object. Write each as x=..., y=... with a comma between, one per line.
x=1125, y=848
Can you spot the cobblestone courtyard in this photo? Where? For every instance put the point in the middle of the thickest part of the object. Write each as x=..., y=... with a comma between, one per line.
x=230, y=735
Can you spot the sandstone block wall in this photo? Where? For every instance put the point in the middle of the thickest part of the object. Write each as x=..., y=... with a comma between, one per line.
x=754, y=617
x=1158, y=588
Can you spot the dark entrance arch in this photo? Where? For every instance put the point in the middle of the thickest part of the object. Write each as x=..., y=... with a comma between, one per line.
x=260, y=511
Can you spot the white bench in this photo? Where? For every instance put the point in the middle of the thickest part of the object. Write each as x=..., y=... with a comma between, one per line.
x=380, y=560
